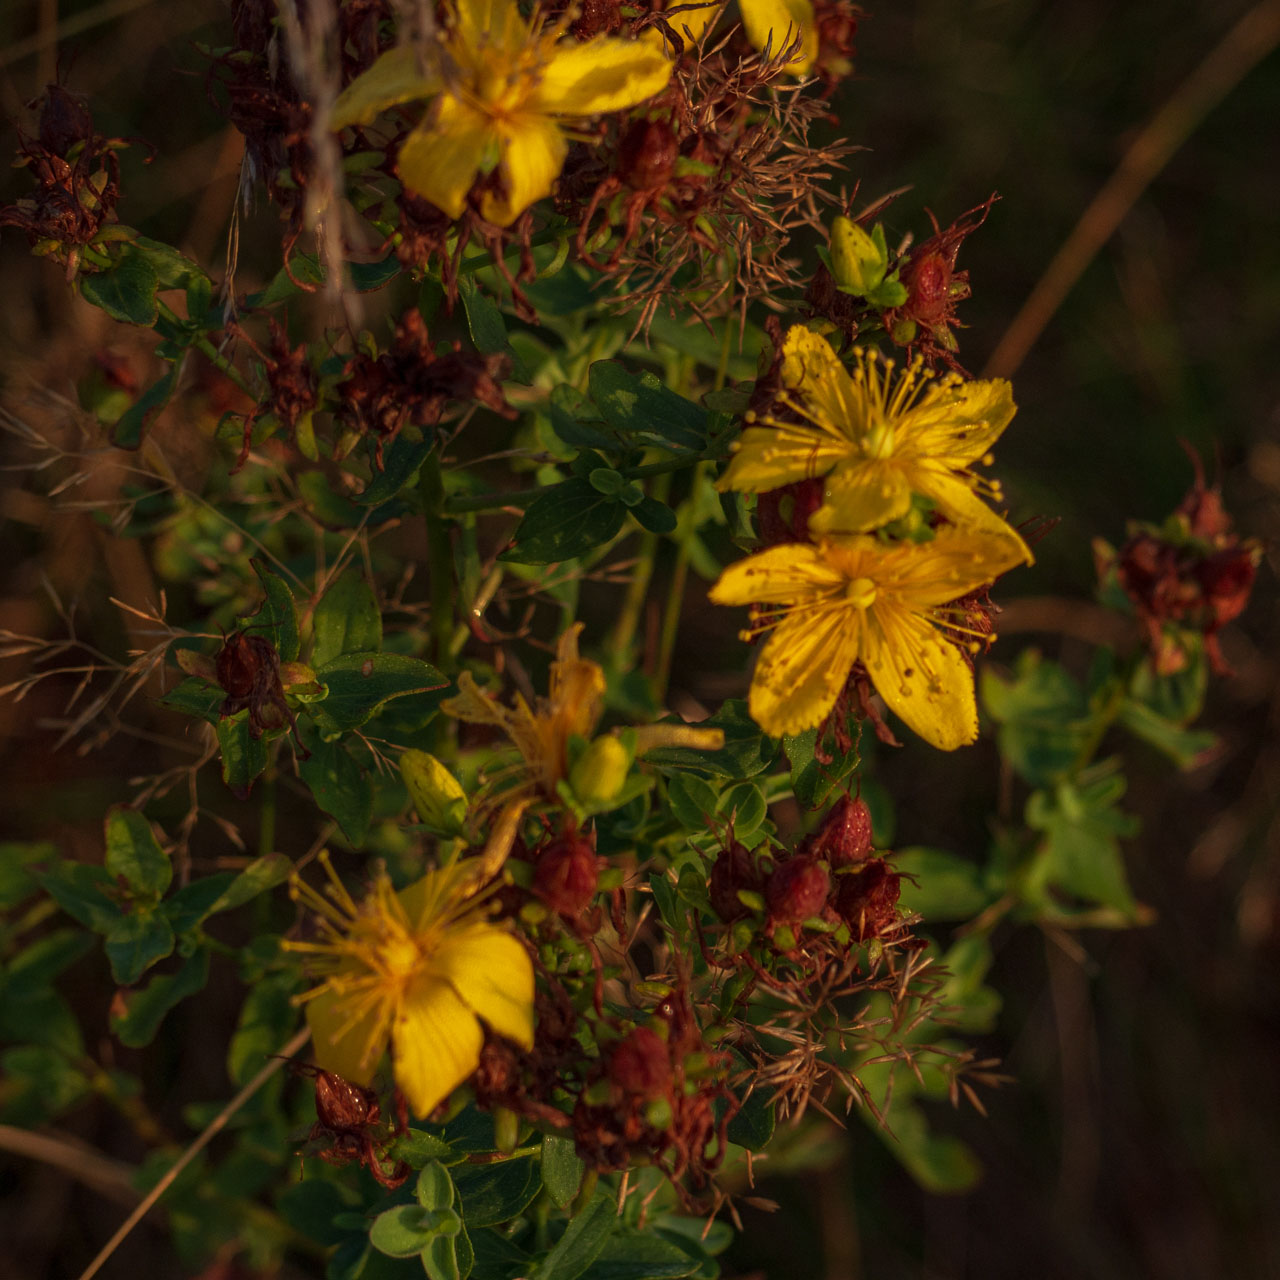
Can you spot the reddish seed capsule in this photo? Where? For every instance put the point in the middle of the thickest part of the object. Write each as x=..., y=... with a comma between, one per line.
x=641, y=1064
x=343, y=1105
x=868, y=899
x=733, y=869
x=647, y=155
x=797, y=889
x=845, y=834
x=566, y=874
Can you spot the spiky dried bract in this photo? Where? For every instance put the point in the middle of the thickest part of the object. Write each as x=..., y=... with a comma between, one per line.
x=422, y=970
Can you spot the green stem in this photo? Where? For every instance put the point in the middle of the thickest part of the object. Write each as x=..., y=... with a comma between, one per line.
x=622, y=637
x=439, y=560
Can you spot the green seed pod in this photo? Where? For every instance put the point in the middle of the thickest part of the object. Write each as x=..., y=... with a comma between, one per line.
x=600, y=771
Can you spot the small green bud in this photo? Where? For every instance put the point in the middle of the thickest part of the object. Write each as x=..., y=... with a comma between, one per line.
x=858, y=261
x=506, y=1129
x=904, y=332
x=600, y=771
x=437, y=795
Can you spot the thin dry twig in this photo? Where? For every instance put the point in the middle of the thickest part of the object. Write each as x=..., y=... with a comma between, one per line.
x=1243, y=47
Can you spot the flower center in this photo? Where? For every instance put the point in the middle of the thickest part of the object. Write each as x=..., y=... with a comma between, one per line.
x=878, y=441
x=861, y=593
x=399, y=957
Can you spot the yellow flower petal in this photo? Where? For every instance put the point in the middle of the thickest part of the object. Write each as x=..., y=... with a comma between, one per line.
x=956, y=425
x=440, y=159
x=436, y=1043
x=604, y=74
x=533, y=151
x=493, y=974
x=769, y=457
x=776, y=23
x=778, y=575
x=829, y=393
x=863, y=496
x=921, y=677
x=957, y=501
x=348, y=1049
x=496, y=23
x=953, y=564
x=397, y=76
x=803, y=668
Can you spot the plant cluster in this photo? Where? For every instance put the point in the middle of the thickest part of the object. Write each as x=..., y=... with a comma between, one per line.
x=564, y=960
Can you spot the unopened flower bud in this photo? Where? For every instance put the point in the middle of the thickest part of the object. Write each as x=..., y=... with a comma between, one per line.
x=600, y=771
x=858, y=263
x=641, y=1064
x=566, y=873
x=437, y=795
x=797, y=889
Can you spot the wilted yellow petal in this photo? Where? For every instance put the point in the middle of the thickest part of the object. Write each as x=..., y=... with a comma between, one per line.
x=604, y=74
x=803, y=668
x=435, y=1044
x=441, y=158
x=921, y=677
x=777, y=23
x=492, y=972
x=532, y=153
x=397, y=76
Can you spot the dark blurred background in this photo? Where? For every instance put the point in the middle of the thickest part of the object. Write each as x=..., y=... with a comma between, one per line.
x=1141, y=1133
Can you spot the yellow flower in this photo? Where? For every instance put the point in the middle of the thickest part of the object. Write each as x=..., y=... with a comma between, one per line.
x=541, y=734
x=767, y=22
x=877, y=439
x=420, y=969
x=500, y=84
x=858, y=599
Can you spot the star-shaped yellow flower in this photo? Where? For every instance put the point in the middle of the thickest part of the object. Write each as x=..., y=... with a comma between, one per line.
x=500, y=84
x=420, y=970
x=774, y=23
x=878, y=439
x=857, y=599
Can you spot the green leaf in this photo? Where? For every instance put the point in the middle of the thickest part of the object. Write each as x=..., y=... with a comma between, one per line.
x=136, y=942
x=813, y=780
x=746, y=751
x=341, y=788
x=583, y=1241
x=126, y=290
x=259, y=876
x=401, y=462
x=83, y=893
x=448, y=1257
x=640, y=1255
x=347, y=620
x=744, y=805
x=940, y=1163
x=754, y=1123
x=434, y=1187
x=642, y=405
x=946, y=886
x=276, y=617
x=1178, y=697
x=562, y=1170
x=311, y=1206
x=416, y=1148
x=1081, y=853
x=267, y=1018
x=655, y=516
x=361, y=684
x=196, y=697
x=1185, y=747
x=488, y=330
x=144, y=1010
x=693, y=801
x=134, y=854
x=404, y=1231
x=368, y=276
x=127, y=431
x=17, y=881
x=495, y=1193
x=496, y=1258
x=192, y=904
x=31, y=971
x=40, y=1084
x=563, y=522
x=573, y=420
x=244, y=757
x=1045, y=725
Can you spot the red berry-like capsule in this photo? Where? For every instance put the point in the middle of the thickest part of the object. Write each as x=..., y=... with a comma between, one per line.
x=797, y=889
x=641, y=1064
x=566, y=873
